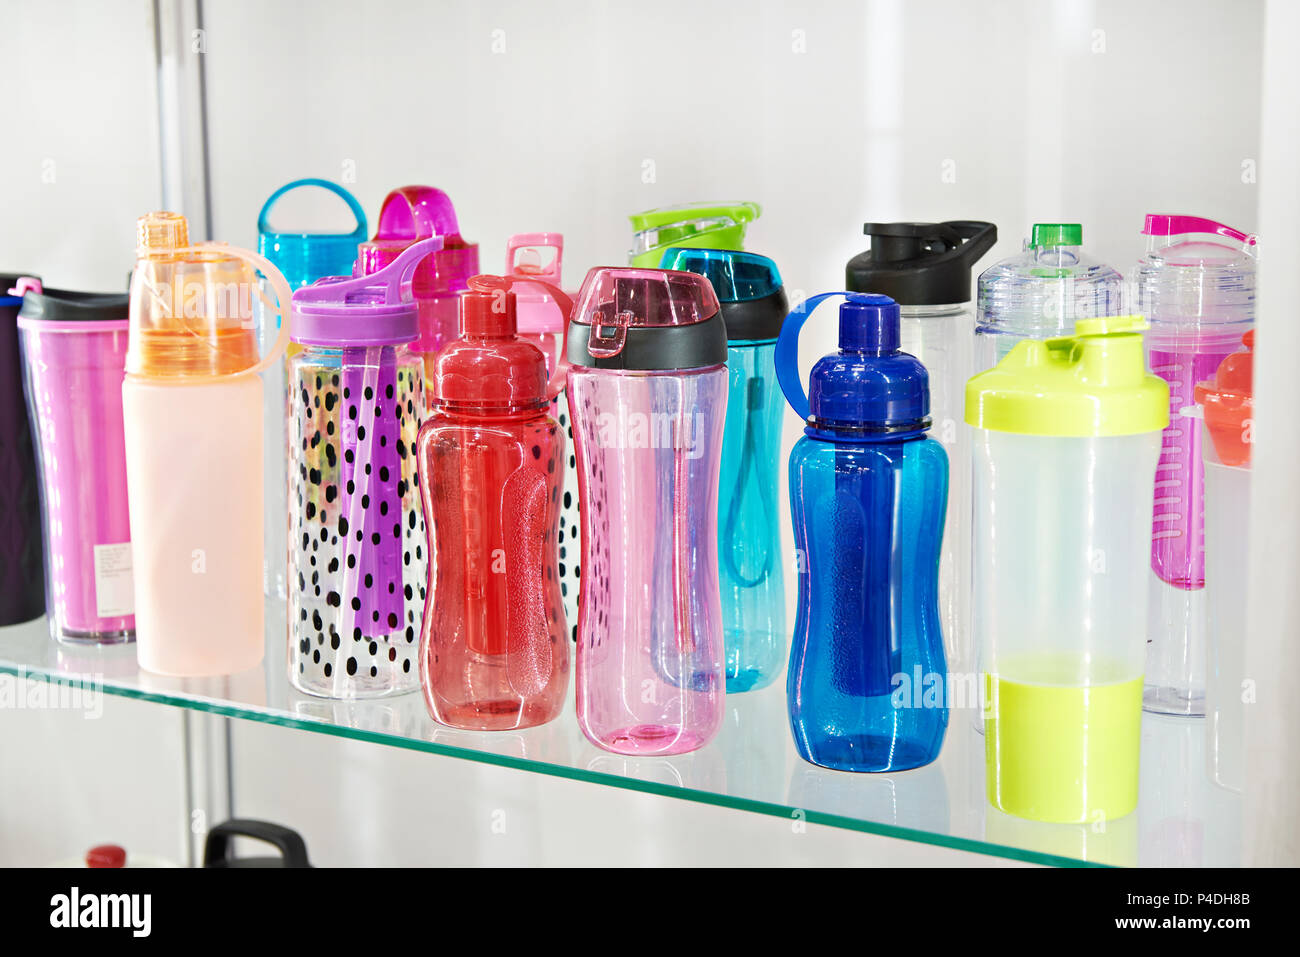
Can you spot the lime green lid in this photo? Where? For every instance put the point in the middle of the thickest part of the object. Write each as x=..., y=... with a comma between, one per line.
x=1045, y=235
x=1092, y=383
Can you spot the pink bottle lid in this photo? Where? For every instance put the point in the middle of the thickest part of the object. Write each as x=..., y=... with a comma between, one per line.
x=412, y=213
x=1165, y=224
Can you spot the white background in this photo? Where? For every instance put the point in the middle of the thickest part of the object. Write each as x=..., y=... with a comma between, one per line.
x=547, y=116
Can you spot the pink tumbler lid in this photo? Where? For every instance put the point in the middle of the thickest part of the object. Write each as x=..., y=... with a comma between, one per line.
x=420, y=212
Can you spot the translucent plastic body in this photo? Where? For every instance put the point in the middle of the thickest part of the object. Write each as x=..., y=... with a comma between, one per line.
x=358, y=552
x=74, y=391
x=942, y=338
x=1177, y=656
x=1198, y=293
x=495, y=653
x=194, y=482
x=867, y=681
x=1059, y=602
x=749, y=538
x=650, y=646
x=1227, y=577
x=1039, y=294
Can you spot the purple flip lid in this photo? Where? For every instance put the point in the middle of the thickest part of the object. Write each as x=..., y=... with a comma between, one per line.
x=374, y=310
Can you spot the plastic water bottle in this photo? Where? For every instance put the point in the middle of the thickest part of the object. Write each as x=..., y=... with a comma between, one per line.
x=867, y=683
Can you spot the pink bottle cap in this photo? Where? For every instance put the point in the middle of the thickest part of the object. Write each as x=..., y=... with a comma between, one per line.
x=536, y=311
x=420, y=212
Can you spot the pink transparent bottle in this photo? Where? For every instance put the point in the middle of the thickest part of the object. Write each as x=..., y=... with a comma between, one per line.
x=1196, y=286
x=648, y=392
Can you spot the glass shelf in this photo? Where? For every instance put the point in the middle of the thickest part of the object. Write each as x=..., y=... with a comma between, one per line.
x=1182, y=818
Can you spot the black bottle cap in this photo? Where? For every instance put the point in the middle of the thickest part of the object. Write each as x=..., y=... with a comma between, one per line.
x=920, y=264
x=65, y=305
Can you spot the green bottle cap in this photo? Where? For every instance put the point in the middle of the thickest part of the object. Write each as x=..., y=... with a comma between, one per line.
x=1045, y=235
x=1092, y=383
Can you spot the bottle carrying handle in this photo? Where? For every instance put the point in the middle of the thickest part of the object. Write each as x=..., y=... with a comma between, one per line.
x=520, y=241
x=1167, y=227
x=281, y=307
x=358, y=234
x=787, y=350
x=416, y=212
x=392, y=278
x=556, y=383
x=964, y=239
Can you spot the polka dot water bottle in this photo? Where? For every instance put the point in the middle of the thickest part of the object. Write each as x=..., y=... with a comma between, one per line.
x=357, y=547
x=1196, y=286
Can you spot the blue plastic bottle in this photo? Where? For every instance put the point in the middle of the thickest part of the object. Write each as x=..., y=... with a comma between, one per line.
x=753, y=306
x=868, y=492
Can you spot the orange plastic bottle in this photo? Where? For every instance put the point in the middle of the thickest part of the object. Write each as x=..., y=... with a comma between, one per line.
x=192, y=404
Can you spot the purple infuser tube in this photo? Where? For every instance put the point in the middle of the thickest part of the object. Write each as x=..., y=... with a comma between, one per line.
x=74, y=351
x=1196, y=286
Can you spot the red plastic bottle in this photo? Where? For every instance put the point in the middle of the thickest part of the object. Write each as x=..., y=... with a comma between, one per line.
x=493, y=653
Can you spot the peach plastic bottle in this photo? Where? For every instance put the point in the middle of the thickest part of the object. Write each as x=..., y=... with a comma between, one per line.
x=192, y=404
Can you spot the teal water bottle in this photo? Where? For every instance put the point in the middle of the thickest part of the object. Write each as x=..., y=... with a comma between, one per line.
x=753, y=306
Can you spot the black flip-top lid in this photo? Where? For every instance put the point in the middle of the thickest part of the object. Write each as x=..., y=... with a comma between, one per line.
x=66, y=305
x=921, y=264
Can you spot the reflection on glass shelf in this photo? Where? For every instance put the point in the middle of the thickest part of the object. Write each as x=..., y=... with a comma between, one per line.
x=1182, y=818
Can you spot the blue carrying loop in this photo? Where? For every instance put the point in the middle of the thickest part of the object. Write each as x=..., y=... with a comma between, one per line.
x=787, y=351
x=359, y=233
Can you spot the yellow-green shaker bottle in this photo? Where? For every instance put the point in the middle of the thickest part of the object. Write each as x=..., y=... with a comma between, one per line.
x=1066, y=438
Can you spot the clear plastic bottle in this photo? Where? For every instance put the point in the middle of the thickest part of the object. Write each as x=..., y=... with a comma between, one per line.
x=926, y=269
x=648, y=390
x=1042, y=292
x=1228, y=405
x=753, y=306
x=867, y=684
x=356, y=569
x=1196, y=286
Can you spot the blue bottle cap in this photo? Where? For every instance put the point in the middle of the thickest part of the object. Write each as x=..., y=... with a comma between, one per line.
x=748, y=287
x=869, y=389
x=307, y=257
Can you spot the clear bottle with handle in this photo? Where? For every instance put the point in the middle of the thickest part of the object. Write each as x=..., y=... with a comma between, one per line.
x=494, y=649
x=541, y=256
x=1228, y=406
x=926, y=269
x=302, y=258
x=753, y=304
x=1067, y=433
x=707, y=225
x=357, y=560
x=1196, y=286
x=867, y=684
x=648, y=390
x=409, y=214
x=192, y=416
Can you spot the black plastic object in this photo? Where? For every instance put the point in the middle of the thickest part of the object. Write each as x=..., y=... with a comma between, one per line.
x=65, y=305
x=921, y=264
x=22, y=565
x=218, y=850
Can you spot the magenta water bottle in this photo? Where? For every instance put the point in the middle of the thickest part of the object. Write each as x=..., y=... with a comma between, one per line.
x=648, y=392
x=1196, y=286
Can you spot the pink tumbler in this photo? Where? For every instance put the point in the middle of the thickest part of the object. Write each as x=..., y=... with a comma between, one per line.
x=1196, y=286
x=648, y=392
x=74, y=349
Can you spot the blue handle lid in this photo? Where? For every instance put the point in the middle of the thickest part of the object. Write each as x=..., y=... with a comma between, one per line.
x=307, y=257
x=869, y=387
